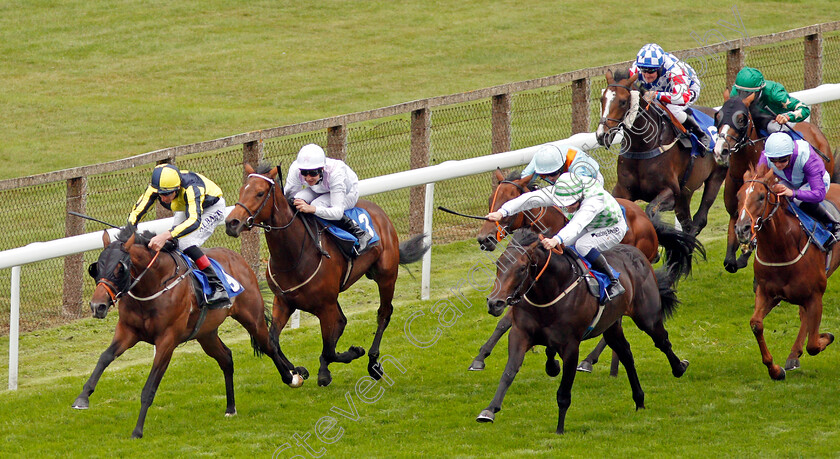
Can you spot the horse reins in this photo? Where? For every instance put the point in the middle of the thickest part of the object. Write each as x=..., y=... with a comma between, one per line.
x=537, y=278
x=758, y=224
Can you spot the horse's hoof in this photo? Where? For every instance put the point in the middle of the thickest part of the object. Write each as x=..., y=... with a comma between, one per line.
x=231, y=414
x=81, y=403
x=297, y=381
x=830, y=338
x=137, y=434
x=731, y=268
x=791, y=364
x=552, y=368
x=358, y=350
x=486, y=416
x=324, y=379
x=681, y=369
x=477, y=365
x=778, y=375
x=585, y=367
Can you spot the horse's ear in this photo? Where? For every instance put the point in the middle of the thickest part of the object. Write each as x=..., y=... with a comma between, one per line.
x=633, y=79
x=748, y=100
x=273, y=172
x=725, y=95
x=249, y=169
x=525, y=180
x=498, y=176
x=770, y=175
x=609, y=75
x=106, y=238
x=130, y=242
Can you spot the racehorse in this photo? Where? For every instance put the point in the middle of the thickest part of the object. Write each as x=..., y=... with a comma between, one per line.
x=644, y=234
x=654, y=166
x=739, y=146
x=307, y=272
x=157, y=304
x=552, y=307
x=787, y=265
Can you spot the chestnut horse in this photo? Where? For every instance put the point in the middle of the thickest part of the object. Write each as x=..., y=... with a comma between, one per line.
x=787, y=265
x=157, y=305
x=653, y=165
x=739, y=146
x=307, y=272
x=644, y=234
x=552, y=307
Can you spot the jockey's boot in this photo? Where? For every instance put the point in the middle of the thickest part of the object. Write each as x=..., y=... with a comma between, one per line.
x=600, y=263
x=827, y=214
x=219, y=296
x=691, y=125
x=346, y=223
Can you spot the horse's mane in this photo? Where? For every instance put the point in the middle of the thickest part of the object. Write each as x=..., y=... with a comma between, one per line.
x=263, y=168
x=621, y=74
x=514, y=174
x=142, y=238
x=524, y=237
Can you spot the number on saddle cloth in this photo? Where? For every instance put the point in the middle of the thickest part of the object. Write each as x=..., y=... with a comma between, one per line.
x=232, y=286
x=603, y=280
x=358, y=215
x=815, y=230
x=706, y=123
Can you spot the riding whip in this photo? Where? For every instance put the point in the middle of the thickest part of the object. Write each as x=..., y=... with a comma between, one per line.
x=91, y=218
x=461, y=215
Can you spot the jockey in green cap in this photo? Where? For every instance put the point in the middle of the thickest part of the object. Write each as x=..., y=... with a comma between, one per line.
x=772, y=106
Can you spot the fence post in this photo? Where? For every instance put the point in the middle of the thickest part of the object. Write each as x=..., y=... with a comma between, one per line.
x=421, y=137
x=813, y=69
x=73, y=226
x=500, y=123
x=580, y=105
x=734, y=63
x=249, y=246
x=337, y=142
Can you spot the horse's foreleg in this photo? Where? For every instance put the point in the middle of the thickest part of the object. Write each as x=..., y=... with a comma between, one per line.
x=657, y=332
x=501, y=328
x=616, y=340
x=591, y=359
x=123, y=340
x=763, y=306
x=710, y=191
x=564, y=391
x=817, y=342
x=214, y=347
x=518, y=343
x=383, y=318
x=163, y=354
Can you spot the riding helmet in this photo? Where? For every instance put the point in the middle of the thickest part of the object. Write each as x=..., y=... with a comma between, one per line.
x=749, y=80
x=548, y=159
x=651, y=56
x=778, y=145
x=311, y=157
x=166, y=178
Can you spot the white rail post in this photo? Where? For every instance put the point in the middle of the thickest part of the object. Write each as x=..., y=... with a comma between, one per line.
x=425, y=282
x=14, y=329
x=294, y=321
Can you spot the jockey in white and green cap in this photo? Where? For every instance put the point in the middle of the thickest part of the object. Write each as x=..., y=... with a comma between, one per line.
x=595, y=222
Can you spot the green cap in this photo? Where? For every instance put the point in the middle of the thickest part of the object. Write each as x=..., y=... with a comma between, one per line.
x=749, y=80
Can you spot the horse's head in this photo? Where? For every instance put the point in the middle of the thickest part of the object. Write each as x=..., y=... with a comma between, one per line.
x=256, y=199
x=757, y=202
x=618, y=101
x=515, y=271
x=504, y=189
x=732, y=122
x=111, y=272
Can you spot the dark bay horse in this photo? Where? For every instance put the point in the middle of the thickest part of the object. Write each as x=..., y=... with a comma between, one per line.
x=307, y=271
x=739, y=146
x=157, y=305
x=643, y=233
x=787, y=265
x=552, y=307
x=653, y=165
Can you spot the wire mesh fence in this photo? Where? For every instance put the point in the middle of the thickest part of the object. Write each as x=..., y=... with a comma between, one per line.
x=371, y=147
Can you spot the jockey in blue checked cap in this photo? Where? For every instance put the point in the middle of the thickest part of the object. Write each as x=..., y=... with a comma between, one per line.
x=596, y=222
x=672, y=82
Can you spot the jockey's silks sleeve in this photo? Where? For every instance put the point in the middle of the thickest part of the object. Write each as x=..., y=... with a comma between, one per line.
x=142, y=206
x=781, y=103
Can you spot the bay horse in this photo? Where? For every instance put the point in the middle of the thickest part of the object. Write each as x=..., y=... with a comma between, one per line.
x=787, y=265
x=739, y=146
x=308, y=272
x=642, y=232
x=552, y=307
x=157, y=305
x=653, y=164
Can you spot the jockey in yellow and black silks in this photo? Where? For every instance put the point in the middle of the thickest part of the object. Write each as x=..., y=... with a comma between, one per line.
x=198, y=206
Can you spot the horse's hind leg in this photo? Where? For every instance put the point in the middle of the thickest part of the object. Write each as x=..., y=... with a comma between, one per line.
x=214, y=347
x=591, y=359
x=333, y=322
x=383, y=318
x=792, y=362
x=122, y=341
x=501, y=328
x=518, y=343
x=616, y=340
x=659, y=335
x=254, y=321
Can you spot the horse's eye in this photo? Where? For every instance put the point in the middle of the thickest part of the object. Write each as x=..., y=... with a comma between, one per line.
x=622, y=103
x=760, y=198
x=261, y=194
x=739, y=119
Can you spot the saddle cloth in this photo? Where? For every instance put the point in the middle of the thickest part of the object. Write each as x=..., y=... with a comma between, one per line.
x=347, y=241
x=202, y=286
x=815, y=230
x=707, y=123
x=598, y=288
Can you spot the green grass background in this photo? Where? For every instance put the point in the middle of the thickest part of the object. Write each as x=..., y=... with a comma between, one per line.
x=86, y=82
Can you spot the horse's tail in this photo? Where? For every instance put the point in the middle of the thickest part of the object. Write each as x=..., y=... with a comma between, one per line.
x=665, y=279
x=679, y=248
x=413, y=249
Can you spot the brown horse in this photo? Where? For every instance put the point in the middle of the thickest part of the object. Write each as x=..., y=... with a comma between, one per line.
x=157, y=305
x=654, y=166
x=552, y=307
x=307, y=272
x=787, y=265
x=739, y=146
x=644, y=234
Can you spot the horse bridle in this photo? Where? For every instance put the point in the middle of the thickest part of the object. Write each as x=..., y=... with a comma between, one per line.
x=116, y=288
x=758, y=222
x=743, y=138
x=502, y=231
x=516, y=297
x=249, y=222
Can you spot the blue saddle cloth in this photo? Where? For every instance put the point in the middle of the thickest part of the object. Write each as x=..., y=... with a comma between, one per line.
x=361, y=217
x=815, y=230
x=603, y=280
x=232, y=286
x=707, y=123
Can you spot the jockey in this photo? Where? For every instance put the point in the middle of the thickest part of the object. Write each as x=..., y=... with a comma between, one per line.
x=325, y=187
x=772, y=106
x=802, y=177
x=595, y=222
x=672, y=82
x=552, y=160
x=198, y=206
